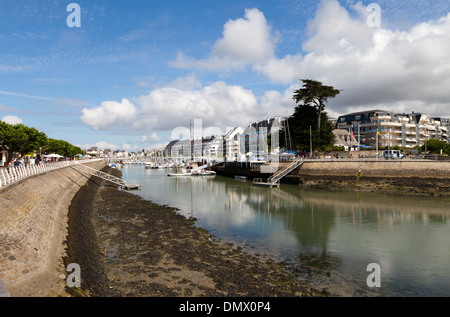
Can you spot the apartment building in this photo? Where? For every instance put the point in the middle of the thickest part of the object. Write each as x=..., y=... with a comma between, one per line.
x=232, y=144
x=393, y=129
x=255, y=138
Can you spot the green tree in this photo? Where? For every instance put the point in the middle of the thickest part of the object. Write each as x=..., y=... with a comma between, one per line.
x=316, y=94
x=435, y=146
x=62, y=147
x=24, y=140
x=6, y=135
x=303, y=129
x=19, y=138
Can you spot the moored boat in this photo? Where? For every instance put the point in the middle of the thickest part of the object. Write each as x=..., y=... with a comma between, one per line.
x=204, y=173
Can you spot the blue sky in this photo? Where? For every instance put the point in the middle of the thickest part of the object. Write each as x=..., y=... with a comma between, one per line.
x=136, y=70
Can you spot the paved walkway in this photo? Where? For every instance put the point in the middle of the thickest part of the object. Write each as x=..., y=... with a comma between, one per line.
x=3, y=290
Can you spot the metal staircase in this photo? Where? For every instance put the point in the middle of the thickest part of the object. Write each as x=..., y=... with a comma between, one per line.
x=278, y=175
x=113, y=179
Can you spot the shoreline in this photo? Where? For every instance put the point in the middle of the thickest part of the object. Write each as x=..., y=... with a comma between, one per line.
x=411, y=178
x=406, y=186
x=127, y=246
x=112, y=234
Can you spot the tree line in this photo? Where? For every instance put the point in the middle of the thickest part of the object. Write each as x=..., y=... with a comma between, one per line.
x=19, y=138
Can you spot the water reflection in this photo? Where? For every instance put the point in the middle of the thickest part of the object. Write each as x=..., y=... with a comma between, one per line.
x=331, y=237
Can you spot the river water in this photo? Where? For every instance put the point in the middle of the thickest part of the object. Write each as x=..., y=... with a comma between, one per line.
x=331, y=238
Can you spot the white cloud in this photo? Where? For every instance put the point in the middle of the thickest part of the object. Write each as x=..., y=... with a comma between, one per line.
x=110, y=113
x=218, y=104
x=12, y=120
x=376, y=67
x=152, y=138
x=400, y=71
x=244, y=41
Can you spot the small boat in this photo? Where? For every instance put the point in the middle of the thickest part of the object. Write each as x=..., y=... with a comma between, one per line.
x=204, y=173
x=184, y=172
x=242, y=178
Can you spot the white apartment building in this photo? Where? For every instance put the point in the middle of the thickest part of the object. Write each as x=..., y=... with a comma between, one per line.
x=393, y=129
x=232, y=144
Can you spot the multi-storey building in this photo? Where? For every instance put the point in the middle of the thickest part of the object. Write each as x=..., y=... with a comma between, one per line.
x=236, y=143
x=393, y=129
x=255, y=138
x=232, y=144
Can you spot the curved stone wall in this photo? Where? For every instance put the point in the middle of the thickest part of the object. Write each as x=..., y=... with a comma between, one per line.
x=33, y=229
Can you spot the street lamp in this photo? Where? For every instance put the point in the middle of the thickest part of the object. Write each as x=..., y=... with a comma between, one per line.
x=310, y=142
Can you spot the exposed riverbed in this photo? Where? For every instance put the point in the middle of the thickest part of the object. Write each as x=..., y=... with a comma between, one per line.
x=127, y=246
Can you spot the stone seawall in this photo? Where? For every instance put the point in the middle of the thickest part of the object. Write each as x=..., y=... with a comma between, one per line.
x=349, y=168
x=381, y=168
x=410, y=177
x=33, y=230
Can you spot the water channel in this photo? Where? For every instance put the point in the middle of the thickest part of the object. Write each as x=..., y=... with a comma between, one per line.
x=330, y=237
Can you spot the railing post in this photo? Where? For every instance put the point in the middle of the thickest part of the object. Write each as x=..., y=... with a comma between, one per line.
x=8, y=174
x=4, y=178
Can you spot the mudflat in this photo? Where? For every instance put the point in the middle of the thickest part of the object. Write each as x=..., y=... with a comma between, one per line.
x=130, y=247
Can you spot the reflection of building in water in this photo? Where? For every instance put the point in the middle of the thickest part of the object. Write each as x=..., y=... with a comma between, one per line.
x=391, y=210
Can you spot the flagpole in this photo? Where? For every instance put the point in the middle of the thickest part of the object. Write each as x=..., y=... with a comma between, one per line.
x=376, y=141
x=359, y=138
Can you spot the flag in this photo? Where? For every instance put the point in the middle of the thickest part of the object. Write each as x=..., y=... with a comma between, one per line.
x=379, y=133
x=353, y=138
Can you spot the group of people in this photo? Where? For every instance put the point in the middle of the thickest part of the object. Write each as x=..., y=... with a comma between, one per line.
x=26, y=161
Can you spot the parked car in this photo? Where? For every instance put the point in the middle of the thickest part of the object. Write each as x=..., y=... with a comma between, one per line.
x=393, y=154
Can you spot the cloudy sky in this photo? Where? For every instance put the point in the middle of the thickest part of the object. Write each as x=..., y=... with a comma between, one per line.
x=135, y=71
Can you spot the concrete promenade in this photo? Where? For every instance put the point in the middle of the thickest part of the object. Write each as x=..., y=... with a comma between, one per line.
x=33, y=228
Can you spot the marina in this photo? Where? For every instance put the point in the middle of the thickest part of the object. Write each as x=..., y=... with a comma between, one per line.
x=331, y=237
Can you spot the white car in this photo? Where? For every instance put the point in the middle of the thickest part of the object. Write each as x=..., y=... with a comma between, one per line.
x=393, y=154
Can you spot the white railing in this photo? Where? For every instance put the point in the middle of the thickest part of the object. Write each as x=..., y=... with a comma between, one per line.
x=9, y=175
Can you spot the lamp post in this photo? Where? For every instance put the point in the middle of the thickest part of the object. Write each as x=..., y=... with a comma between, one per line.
x=310, y=142
x=376, y=142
